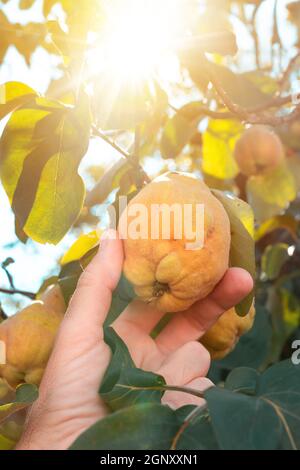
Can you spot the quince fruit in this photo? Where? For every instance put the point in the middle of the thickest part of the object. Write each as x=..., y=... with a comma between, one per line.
x=258, y=151
x=53, y=299
x=164, y=270
x=224, y=335
x=28, y=337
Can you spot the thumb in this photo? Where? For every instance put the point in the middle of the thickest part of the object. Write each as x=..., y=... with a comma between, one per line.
x=91, y=301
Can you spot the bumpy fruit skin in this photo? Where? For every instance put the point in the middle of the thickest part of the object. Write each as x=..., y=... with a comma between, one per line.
x=258, y=151
x=29, y=337
x=53, y=299
x=222, y=338
x=163, y=272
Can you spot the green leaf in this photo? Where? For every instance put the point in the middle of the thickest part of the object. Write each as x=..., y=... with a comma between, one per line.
x=71, y=272
x=273, y=260
x=142, y=427
x=121, y=298
x=242, y=252
x=180, y=129
x=253, y=424
x=261, y=411
x=41, y=149
x=240, y=88
x=68, y=279
x=109, y=181
x=25, y=395
x=219, y=141
x=13, y=95
x=81, y=247
x=195, y=432
x=243, y=380
x=123, y=384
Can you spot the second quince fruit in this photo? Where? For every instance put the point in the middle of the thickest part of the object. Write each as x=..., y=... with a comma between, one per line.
x=224, y=335
x=28, y=337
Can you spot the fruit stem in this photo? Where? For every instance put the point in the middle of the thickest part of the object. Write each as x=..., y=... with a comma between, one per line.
x=159, y=289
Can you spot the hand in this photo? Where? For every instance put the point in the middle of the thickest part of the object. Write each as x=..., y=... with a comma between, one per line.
x=69, y=402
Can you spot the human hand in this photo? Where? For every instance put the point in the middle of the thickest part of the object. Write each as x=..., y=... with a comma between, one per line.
x=69, y=402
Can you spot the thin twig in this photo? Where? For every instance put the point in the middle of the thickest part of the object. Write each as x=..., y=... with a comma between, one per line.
x=9, y=276
x=187, y=422
x=190, y=391
x=249, y=116
x=30, y=295
x=165, y=388
x=112, y=143
x=93, y=195
x=285, y=77
x=275, y=102
x=208, y=112
x=276, y=36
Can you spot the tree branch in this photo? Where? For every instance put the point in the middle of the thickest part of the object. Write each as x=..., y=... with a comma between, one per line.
x=92, y=197
x=30, y=295
x=112, y=143
x=250, y=115
x=275, y=102
x=285, y=77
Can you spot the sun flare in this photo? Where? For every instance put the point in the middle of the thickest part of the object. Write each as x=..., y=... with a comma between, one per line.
x=137, y=38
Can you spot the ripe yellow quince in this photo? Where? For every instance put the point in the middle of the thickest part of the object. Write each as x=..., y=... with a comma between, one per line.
x=29, y=337
x=258, y=151
x=165, y=271
x=53, y=299
x=224, y=335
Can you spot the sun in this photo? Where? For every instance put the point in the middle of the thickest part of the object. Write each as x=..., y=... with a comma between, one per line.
x=137, y=38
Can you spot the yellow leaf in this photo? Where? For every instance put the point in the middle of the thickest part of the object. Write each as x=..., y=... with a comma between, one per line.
x=276, y=188
x=82, y=246
x=5, y=443
x=14, y=95
x=218, y=145
x=291, y=308
x=281, y=221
